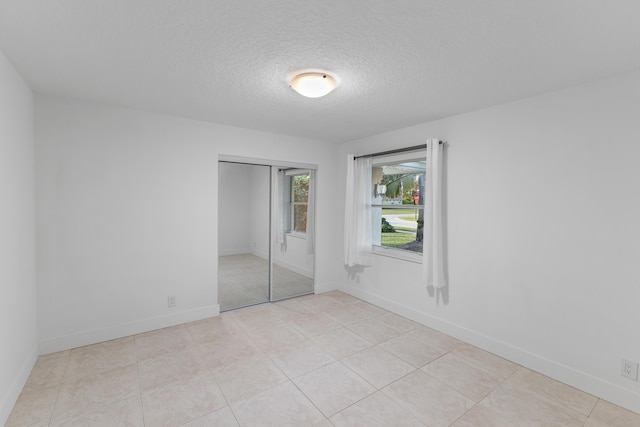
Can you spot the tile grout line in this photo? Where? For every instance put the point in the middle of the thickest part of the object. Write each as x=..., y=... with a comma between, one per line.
x=309, y=399
x=593, y=409
x=245, y=328
x=55, y=402
x=135, y=352
x=481, y=400
x=210, y=370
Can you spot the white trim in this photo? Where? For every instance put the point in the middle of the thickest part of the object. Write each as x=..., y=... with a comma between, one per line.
x=322, y=287
x=397, y=253
x=20, y=380
x=391, y=252
x=293, y=172
x=308, y=273
x=94, y=336
x=290, y=186
x=297, y=235
x=260, y=254
x=586, y=382
x=234, y=251
x=265, y=162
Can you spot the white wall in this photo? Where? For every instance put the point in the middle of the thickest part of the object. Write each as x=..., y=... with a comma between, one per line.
x=296, y=258
x=234, y=236
x=128, y=214
x=543, y=234
x=18, y=331
x=243, y=223
x=259, y=207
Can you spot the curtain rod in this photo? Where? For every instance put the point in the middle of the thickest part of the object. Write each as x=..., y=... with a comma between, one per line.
x=398, y=150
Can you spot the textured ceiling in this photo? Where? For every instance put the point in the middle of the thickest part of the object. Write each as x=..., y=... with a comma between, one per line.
x=401, y=62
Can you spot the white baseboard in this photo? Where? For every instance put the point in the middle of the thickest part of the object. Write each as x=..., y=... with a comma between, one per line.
x=9, y=400
x=295, y=268
x=51, y=345
x=233, y=251
x=260, y=254
x=586, y=382
x=322, y=287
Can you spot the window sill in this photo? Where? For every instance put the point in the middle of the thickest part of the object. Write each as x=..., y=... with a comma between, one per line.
x=297, y=235
x=415, y=257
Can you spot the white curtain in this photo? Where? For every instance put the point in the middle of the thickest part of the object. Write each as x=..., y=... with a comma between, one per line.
x=311, y=213
x=357, y=219
x=433, y=244
x=277, y=190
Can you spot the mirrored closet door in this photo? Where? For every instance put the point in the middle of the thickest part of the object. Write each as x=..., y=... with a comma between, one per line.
x=293, y=232
x=265, y=233
x=243, y=234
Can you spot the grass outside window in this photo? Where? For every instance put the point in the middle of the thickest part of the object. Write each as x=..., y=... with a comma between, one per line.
x=397, y=239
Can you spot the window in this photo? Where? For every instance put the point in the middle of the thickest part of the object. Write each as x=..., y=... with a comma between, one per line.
x=298, y=184
x=397, y=204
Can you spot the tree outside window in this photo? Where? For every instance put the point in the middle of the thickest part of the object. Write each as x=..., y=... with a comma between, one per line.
x=299, y=202
x=397, y=204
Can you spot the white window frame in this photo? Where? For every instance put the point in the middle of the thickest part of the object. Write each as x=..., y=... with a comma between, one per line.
x=386, y=251
x=290, y=174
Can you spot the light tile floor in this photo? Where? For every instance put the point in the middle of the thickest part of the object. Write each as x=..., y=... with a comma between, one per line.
x=323, y=360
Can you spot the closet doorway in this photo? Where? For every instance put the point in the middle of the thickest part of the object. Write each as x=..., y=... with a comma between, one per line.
x=265, y=232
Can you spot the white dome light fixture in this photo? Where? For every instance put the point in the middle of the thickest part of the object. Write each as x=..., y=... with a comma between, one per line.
x=313, y=84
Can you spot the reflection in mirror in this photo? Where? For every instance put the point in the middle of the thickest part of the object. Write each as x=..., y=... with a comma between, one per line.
x=293, y=231
x=251, y=270
x=243, y=234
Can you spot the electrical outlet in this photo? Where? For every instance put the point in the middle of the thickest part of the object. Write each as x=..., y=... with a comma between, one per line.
x=629, y=369
x=171, y=301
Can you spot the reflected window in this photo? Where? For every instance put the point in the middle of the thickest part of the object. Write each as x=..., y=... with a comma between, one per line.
x=299, y=202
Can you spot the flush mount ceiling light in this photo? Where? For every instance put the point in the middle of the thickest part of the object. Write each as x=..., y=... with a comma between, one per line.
x=313, y=84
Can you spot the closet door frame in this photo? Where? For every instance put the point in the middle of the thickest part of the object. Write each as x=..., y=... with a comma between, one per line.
x=271, y=164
